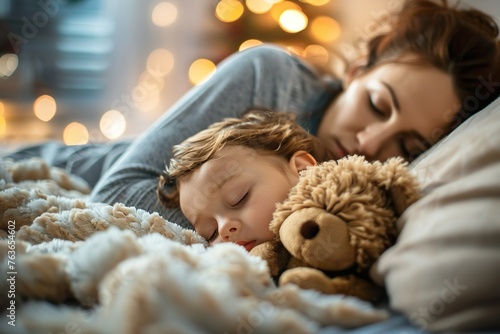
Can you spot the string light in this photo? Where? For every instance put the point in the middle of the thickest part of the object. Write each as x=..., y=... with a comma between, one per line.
x=229, y=10
x=200, y=70
x=164, y=14
x=8, y=64
x=248, y=44
x=3, y=122
x=259, y=6
x=293, y=21
x=280, y=7
x=45, y=107
x=325, y=29
x=112, y=124
x=316, y=2
x=75, y=134
x=316, y=54
x=160, y=62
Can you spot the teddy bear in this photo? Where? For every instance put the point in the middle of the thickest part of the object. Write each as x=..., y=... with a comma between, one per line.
x=336, y=222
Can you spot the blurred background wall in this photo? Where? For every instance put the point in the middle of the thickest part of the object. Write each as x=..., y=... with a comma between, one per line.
x=98, y=70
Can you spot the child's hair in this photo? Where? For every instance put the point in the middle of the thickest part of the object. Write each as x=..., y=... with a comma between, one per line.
x=268, y=132
x=461, y=42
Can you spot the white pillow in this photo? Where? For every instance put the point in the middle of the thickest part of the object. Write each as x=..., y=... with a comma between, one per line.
x=444, y=271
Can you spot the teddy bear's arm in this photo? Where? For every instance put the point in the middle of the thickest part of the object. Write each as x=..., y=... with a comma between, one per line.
x=276, y=256
x=351, y=285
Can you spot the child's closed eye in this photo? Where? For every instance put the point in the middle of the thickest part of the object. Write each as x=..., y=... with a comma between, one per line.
x=214, y=236
x=241, y=199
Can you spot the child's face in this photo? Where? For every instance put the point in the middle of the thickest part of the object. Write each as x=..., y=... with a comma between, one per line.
x=232, y=197
x=394, y=109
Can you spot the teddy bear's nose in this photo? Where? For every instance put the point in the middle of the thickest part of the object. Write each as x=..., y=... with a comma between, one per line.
x=309, y=229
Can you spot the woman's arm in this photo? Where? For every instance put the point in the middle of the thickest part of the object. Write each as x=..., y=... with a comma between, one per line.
x=261, y=77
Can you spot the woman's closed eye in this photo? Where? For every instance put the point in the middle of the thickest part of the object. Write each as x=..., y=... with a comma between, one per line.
x=377, y=110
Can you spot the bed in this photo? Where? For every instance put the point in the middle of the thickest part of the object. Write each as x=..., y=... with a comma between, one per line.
x=81, y=267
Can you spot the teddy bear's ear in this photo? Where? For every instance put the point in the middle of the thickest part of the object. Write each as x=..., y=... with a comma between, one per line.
x=402, y=186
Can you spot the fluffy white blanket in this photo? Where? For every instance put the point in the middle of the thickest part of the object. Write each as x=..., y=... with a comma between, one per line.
x=71, y=266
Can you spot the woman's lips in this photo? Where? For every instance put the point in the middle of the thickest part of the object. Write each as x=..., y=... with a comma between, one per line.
x=247, y=244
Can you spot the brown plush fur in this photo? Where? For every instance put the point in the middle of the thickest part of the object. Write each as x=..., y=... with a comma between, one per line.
x=349, y=210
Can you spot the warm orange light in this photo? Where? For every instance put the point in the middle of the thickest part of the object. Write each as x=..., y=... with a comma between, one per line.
x=316, y=54
x=293, y=21
x=164, y=14
x=8, y=64
x=3, y=122
x=325, y=29
x=259, y=6
x=229, y=10
x=45, y=107
x=200, y=70
x=249, y=43
x=279, y=8
x=316, y=2
x=160, y=62
x=75, y=134
x=3, y=126
x=112, y=124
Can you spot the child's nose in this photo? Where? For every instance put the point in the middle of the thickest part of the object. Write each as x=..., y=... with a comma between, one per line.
x=228, y=228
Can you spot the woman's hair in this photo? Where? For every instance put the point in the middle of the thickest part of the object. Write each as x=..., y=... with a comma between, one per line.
x=461, y=42
x=268, y=132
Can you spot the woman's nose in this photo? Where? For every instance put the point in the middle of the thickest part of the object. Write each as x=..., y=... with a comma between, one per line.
x=228, y=228
x=373, y=139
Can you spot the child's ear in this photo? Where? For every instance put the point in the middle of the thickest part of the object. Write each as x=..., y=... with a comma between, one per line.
x=301, y=160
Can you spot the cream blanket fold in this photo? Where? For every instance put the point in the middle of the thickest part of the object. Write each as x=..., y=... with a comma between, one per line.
x=69, y=265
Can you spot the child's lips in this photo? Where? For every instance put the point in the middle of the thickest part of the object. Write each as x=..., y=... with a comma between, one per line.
x=247, y=244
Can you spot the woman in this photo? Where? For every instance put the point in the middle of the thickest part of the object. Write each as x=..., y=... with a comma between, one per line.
x=434, y=68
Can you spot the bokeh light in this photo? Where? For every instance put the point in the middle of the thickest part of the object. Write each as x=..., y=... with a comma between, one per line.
x=316, y=54
x=316, y=2
x=160, y=62
x=295, y=49
x=229, y=10
x=3, y=126
x=146, y=101
x=8, y=64
x=259, y=6
x=75, y=134
x=293, y=21
x=150, y=83
x=200, y=70
x=249, y=43
x=3, y=122
x=112, y=124
x=325, y=29
x=164, y=14
x=279, y=8
x=45, y=107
